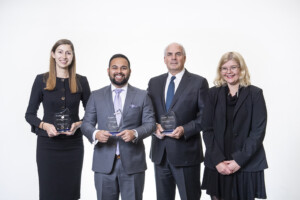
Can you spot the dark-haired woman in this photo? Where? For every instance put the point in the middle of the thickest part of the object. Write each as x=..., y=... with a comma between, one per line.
x=234, y=125
x=59, y=151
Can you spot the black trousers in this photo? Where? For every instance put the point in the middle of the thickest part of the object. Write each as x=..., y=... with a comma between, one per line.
x=186, y=178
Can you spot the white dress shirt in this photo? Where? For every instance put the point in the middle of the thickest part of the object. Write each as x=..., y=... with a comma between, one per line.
x=176, y=81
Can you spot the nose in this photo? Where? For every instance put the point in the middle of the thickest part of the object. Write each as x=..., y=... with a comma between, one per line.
x=173, y=57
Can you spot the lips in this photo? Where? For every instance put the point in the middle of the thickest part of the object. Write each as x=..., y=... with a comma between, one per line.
x=119, y=76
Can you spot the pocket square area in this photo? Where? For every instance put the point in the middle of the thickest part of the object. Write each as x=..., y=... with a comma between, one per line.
x=133, y=106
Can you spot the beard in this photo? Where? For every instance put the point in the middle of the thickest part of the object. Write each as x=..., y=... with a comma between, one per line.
x=123, y=82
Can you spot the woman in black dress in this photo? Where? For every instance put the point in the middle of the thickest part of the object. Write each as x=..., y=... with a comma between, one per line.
x=59, y=153
x=234, y=125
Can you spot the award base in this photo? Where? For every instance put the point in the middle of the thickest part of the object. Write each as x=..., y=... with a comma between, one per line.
x=168, y=131
x=114, y=133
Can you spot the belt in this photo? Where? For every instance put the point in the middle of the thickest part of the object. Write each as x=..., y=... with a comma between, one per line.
x=118, y=156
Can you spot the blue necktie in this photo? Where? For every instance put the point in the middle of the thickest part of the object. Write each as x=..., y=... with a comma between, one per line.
x=170, y=93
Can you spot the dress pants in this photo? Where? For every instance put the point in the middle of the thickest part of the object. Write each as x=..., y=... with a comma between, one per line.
x=109, y=186
x=187, y=179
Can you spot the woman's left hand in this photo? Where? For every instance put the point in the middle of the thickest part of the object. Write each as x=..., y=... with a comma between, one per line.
x=232, y=165
x=73, y=129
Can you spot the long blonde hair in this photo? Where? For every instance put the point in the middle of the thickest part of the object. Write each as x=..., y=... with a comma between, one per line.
x=51, y=75
x=244, y=79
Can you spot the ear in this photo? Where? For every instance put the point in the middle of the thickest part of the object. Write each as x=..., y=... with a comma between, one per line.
x=108, y=71
x=165, y=60
x=52, y=54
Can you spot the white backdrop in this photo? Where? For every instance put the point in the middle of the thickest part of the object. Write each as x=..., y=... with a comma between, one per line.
x=266, y=33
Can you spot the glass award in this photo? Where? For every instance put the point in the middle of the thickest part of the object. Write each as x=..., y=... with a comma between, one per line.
x=62, y=120
x=112, y=125
x=168, y=122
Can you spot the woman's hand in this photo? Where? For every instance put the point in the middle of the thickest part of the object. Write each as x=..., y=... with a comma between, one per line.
x=232, y=165
x=50, y=129
x=223, y=168
x=73, y=129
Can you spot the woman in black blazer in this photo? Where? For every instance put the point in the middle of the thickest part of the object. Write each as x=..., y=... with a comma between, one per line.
x=234, y=125
x=59, y=152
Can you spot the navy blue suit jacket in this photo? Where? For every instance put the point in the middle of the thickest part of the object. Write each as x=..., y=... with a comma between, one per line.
x=187, y=104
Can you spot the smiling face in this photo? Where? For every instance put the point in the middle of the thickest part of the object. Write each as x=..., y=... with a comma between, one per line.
x=230, y=72
x=63, y=56
x=119, y=72
x=174, y=58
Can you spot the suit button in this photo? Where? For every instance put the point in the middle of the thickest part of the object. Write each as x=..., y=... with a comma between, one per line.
x=63, y=107
x=63, y=98
x=63, y=89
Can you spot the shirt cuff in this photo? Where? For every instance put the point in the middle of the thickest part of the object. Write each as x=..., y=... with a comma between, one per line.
x=136, y=135
x=94, y=137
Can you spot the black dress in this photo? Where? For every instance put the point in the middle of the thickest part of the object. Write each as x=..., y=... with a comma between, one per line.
x=240, y=185
x=59, y=159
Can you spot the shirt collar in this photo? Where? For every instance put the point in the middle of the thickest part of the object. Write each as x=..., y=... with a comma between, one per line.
x=178, y=75
x=125, y=87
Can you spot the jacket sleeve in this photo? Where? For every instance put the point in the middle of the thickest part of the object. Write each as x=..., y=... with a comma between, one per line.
x=36, y=97
x=257, y=131
x=194, y=127
x=148, y=121
x=86, y=92
x=213, y=150
x=89, y=119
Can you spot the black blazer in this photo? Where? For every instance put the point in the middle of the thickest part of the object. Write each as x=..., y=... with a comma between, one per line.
x=55, y=101
x=187, y=104
x=249, y=126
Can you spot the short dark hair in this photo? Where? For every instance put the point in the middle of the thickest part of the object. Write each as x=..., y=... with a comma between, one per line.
x=119, y=56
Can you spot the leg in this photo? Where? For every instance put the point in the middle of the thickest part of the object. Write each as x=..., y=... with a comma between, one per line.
x=165, y=183
x=131, y=185
x=107, y=185
x=188, y=181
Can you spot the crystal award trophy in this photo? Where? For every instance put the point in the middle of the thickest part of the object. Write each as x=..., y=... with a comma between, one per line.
x=168, y=122
x=112, y=125
x=62, y=120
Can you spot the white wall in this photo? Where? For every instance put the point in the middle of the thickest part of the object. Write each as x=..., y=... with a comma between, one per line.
x=266, y=33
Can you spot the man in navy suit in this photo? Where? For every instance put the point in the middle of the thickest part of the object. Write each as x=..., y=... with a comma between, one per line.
x=177, y=155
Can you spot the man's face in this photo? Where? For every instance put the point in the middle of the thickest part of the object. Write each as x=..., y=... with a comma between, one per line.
x=174, y=58
x=119, y=72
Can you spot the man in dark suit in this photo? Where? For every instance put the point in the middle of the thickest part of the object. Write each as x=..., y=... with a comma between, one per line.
x=119, y=156
x=177, y=155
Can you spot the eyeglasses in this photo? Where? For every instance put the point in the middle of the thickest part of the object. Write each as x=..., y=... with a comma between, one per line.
x=232, y=68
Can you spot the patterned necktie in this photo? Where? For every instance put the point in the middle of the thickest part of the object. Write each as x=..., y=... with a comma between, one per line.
x=118, y=105
x=118, y=111
x=170, y=93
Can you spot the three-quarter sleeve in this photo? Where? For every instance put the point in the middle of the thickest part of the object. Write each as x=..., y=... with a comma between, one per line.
x=35, y=100
x=86, y=91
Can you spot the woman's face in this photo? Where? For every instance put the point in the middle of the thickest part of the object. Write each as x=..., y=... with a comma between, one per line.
x=63, y=56
x=230, y=72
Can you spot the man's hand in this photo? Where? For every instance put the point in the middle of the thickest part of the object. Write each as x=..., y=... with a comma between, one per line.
x=102, y=136
x=158, y=132
x=177, y=133
x=127, y=135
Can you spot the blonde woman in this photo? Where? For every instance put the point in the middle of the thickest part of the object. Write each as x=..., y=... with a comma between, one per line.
x=234, y=125
x=59, y=152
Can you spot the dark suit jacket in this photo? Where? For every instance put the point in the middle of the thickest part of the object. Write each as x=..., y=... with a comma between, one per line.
x=187, y=104
x=137, y=114
x=249, y=126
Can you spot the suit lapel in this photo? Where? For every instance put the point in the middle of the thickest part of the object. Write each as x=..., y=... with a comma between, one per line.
x=109, y=100
x=222, y=101
x=185, y=80
x=128, y=100
x=161, y=90
x=244, y=92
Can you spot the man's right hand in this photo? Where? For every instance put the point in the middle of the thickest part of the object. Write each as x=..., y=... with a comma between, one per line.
x=158, y=132
x=102, y=136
